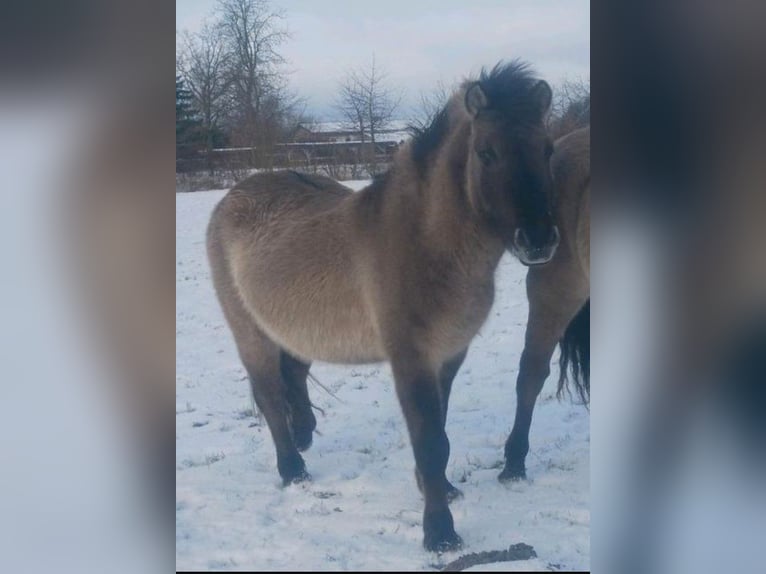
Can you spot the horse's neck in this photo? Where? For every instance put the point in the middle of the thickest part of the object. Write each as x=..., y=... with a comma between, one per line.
x=451, y=226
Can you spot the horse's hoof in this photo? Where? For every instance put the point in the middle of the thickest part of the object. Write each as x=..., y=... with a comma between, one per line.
x=448, y=543
x=453, y=493
x=302, y=476
x=292, y=469
x=439, y=531
x=303, y=441
x=512, y=474
x=302, y=427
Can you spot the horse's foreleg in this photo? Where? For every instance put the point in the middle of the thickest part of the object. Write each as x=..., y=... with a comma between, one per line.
x=549, y=315
x=417, y=386
x=446, y=375
x=533, y=370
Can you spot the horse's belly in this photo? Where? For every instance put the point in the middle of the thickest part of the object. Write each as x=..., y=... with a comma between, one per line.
x=319, y=338
x=329, y=325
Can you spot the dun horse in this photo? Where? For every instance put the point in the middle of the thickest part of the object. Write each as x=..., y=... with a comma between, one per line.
x=559, y=298
x=402, y=271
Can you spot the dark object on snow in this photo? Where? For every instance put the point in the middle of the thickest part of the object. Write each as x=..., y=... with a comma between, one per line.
x=518, y=551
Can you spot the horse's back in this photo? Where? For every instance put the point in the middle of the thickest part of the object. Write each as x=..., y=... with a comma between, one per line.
x=292, y=182
x=268, y=195
x=277, y=204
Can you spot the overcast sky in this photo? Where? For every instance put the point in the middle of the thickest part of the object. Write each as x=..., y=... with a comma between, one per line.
x=419, y=42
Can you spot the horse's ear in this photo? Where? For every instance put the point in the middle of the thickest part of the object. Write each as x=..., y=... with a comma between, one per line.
x=475, y=99
x=544, y=95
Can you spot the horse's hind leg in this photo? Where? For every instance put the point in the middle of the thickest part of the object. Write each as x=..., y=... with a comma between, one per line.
x=549, y=314
x=301, y=418
x=261, y=358
x=259, y=354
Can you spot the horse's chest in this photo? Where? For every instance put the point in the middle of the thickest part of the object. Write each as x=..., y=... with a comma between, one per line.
x=460, y=317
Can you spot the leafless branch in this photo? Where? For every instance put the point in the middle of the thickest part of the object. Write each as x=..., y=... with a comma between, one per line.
x=431, y=103
x=571, y=107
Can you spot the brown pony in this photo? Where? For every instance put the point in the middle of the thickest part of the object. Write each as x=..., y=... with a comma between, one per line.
x=559, y=298
x=402, y=271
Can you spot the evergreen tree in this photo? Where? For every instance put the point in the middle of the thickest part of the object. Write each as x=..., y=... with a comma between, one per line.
x=188, y=124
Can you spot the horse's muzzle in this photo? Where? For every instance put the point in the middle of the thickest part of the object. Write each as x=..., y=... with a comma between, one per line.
x=531, y=254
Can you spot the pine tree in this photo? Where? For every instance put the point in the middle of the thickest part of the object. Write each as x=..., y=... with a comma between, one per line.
x=188, y=124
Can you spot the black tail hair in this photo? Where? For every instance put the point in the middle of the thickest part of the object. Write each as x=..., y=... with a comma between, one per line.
x=575, y=355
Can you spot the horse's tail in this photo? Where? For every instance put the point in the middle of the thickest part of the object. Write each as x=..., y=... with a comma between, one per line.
x=575, y=355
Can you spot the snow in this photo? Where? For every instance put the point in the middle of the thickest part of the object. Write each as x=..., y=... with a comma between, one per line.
x=356, y=184
x=362, y=510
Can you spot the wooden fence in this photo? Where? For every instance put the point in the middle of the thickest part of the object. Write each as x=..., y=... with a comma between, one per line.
x=306, y=155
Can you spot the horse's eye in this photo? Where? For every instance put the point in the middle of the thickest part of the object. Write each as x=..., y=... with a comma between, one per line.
x=548, y=150
x=487, y=156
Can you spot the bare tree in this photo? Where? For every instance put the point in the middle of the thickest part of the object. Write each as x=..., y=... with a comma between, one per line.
x=367, y=103
x=351, y=102
x=571, y=107
x=253, y=33
x=203, y=64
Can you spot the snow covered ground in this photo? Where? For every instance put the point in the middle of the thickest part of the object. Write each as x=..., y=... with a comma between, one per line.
x=362, y=511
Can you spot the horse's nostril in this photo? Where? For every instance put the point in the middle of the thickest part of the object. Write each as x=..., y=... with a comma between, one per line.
x=520, y=237
x=542, y=239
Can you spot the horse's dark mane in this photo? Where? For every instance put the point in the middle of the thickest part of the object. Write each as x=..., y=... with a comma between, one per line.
x=371, y=196
x=510, y=91
x=426, y=140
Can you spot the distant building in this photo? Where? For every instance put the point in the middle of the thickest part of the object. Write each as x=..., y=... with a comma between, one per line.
x=324, y=132
x=338, y=132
